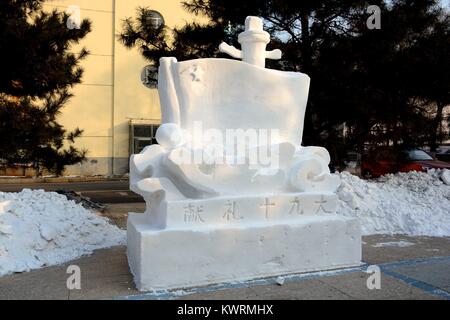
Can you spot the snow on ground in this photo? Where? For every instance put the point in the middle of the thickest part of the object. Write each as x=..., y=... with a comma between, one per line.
x=413, y=203
x=39, y=228
x=400, y=244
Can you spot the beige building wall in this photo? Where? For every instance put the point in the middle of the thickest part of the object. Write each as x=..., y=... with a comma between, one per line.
x=111, y=94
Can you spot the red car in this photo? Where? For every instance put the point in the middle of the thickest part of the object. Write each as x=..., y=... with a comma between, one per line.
x=381, y=161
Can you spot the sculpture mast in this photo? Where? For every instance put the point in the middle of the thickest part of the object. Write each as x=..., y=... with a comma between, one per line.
x=253, y=43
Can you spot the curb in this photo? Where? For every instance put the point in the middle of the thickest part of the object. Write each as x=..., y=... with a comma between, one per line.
x=21, y=180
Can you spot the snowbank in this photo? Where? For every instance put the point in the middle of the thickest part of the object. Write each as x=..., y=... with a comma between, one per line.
x=40, y=228
x=413, y=203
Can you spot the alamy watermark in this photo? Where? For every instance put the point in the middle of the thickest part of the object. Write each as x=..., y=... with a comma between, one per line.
x=374, y=20
x=74, y=19
x=73, y=282
x=256, y=148
x=374, y=280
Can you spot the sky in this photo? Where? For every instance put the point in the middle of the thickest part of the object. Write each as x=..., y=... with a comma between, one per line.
x=446, y=3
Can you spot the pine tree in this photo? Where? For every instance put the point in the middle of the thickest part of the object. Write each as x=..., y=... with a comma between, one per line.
x=384, y=86
x=38, y=69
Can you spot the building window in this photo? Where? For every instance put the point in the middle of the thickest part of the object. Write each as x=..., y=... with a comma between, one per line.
x=142, y=135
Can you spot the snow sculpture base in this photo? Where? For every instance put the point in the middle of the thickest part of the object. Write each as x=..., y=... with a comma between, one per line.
x=216, y=246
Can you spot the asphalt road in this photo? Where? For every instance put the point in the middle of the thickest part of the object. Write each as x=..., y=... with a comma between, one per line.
x=99, y=191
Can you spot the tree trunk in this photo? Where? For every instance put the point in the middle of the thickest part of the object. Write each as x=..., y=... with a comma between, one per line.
x=306, y=43
x=310, y=134
x=437, y=127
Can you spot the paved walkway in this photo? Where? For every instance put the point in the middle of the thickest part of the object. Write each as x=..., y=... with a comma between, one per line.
x=411, y=268
x=420, y=270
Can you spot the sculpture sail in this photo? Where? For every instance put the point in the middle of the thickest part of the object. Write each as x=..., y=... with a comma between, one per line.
x=228, y=94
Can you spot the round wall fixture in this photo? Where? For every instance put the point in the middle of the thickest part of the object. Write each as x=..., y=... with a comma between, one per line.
x=155, y=19
x=149, y=76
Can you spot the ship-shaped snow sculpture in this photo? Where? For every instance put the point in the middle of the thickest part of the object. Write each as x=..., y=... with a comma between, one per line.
x=229, y=164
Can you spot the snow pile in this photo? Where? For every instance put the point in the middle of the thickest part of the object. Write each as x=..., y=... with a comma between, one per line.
x=399, y=244
x=39, y=228
x=413, y=203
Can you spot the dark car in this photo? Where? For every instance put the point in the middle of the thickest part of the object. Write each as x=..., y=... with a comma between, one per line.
x=380, y=161
x=444, y=156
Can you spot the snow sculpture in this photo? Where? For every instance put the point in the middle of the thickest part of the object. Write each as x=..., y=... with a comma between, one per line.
x=230, y=192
